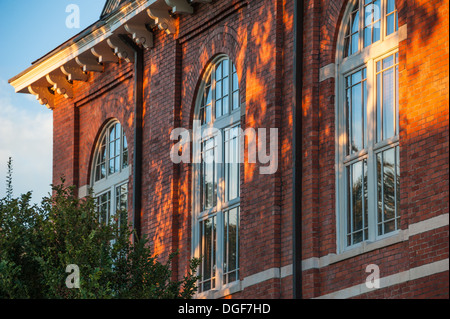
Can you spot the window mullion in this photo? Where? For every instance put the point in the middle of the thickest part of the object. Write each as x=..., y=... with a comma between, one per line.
x=213, y=94
x=361, y=26
x=371, y=156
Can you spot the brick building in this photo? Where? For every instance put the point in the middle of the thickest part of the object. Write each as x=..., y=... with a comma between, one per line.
x=351, y=182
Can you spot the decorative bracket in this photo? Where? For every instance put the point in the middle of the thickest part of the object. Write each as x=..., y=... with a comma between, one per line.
x=60, y=84
x=140, y=34
x=122, y=50
x=163, y=19
x=180, y=6
x=43, y=95
x=89, y=62
x=74, y=72
x=104, y=53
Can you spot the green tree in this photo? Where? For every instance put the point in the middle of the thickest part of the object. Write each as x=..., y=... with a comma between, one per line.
x=37, y=243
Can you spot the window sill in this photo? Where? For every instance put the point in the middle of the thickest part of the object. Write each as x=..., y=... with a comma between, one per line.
x=226, y=290
x=367, y=246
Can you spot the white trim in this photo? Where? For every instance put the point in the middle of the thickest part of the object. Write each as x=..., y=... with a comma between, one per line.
x=398, y=278
x=83, y=191
x=428, y=224
x=272, y=273
x=262, y=276
x=236, y=286
x=402, y=33
x=286, y=271
x=402, y=235
x=327, y=72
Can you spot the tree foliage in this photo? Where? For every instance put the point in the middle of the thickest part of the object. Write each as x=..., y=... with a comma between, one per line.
x=38, y=242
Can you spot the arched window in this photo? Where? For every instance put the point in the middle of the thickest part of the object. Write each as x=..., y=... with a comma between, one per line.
x=367, y=140
x=216, y=193
x=110, y=171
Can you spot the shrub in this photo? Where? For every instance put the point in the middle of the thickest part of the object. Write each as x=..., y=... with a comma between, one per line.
x=37, y=243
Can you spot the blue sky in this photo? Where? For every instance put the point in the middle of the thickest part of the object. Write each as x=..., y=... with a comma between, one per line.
x=28, y=30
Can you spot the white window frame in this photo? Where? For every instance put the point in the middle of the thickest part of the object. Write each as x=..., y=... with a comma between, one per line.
x=222, y=123
x=111, y=181
x=344, y=66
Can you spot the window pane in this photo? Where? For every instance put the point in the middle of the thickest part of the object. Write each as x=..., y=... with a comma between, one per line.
x=372, y=20
x=235, y=100
x=205, y=107
x=122, y=197
x=388, y=177
x=356, y=118
x=379, y=110
x=226, y=86
x=357, y=202
x=367, y=36
x=352, y=33
x=355, y=39
x=390, y=6
x=219, y=71
x=391, y=17
x=208, y=253
x=103, y=207
x=235, y=80
x=376, y=31
x=387, y=99
x=390, y=24
x=356, y=104
x=125, y=153
x=397, y=185
x=208, y=113
x=218, y=108
x=388, y=62
x=388, y=103
x=225, y=105
x=209, y=175
x=231, y=244
x=100, y=169
x=232, y=151
x=218, y=89
x=112, y=133
x=225, y=69
x=355, y=22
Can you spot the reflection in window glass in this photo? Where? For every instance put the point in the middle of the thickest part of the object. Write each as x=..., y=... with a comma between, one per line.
x=372, y=21
x=231, y=245
x=391, y=17
x=369, y=25
x=352, y=33
x=356, y=109
x=112, y=153
x=208, y=253
x=100, y=169
x=388, y=183
x=232, y=156
x=209, y=174
x=357, y=209
x=387, y=97
x=104, y=207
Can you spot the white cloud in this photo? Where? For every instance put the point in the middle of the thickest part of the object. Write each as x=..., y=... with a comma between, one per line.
x=26, y=136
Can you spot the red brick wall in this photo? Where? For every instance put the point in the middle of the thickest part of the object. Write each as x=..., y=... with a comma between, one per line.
x=257, y=35
x=423, y=143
